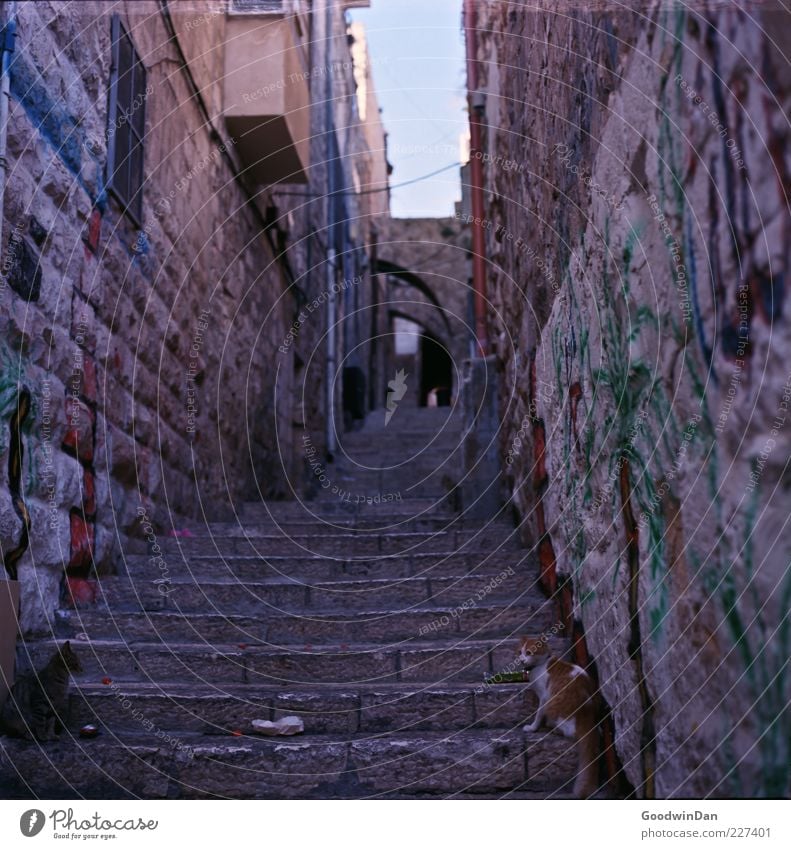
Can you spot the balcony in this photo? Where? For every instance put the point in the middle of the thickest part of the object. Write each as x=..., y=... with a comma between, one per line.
x=266, y=92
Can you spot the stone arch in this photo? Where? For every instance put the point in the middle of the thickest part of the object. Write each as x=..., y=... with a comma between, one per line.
x=385, y=267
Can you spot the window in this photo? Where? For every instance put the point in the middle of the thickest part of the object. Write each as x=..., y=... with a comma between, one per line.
x=257, y=6
x=126, y=123
x=407, y=336
x=265, y=7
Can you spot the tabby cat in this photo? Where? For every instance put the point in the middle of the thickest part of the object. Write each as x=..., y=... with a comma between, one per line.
x=38, y=700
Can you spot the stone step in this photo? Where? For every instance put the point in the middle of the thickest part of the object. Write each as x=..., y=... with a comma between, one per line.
x=414, y=459
x=401, y=489
x=472, y=796
x=234, y=596
x=359, y=545
x=374, y=613
x=316, y=569
x=355, y=525
x=251, y=512
x=121, y=707
x=330, y=766
x=437, y=439
x=408, y=427
x=433, y=663
x=410, y=417
x=368, y=498
x=442, y=432
x=275, y=627
x=425, y=451
x=396, y=465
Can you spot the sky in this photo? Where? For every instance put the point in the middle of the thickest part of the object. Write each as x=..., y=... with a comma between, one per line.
x=417, y=56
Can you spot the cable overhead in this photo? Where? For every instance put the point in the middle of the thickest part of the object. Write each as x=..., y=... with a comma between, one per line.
x=374, y=191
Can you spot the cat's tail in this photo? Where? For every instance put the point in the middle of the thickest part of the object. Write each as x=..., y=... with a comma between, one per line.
x=587, y=782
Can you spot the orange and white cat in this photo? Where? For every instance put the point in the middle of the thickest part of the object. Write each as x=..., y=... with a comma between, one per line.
x=566, y=703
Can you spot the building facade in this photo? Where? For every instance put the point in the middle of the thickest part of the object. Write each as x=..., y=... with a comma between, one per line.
x=171, y=240
x=423, y=266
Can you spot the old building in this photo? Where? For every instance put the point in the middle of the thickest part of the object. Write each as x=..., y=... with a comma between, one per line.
x=174, y=245
x=423, y=268
x=634, y=194
x=277, y=463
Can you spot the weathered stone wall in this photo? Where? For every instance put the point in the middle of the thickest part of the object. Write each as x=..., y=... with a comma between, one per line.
x=150, y=350
x=637, y=222
x=140, y=344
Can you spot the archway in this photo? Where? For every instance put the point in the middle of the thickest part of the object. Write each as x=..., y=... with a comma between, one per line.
x=436, y=373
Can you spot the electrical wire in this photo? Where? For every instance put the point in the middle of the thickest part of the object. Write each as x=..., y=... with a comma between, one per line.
x=371, y=191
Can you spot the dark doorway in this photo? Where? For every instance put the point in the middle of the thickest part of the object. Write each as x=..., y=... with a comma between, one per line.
x=436, y=371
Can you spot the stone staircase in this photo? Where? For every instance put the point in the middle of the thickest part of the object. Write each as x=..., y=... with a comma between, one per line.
x=373, y=612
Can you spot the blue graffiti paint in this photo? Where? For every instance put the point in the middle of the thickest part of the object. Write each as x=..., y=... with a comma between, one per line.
x=61, y=130
x=692, y=274
x=55, y=124
x=141, y=245
x=48, y=115
x=770, y=291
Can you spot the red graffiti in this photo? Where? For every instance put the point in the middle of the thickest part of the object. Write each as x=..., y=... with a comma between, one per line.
x=88, y=493
x=82, y=541
x=539, y=452
x=547, y=566
x=93, y=231
x=81, y=591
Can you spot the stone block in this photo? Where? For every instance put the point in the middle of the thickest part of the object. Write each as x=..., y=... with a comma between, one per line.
x=439, y=764
x=322, y=712
x=193, y=664
x=122, y=451
x=304, y=666
x=551, y=761
x=425, y=710
x=88, y=493
x=446, y=663
x=23, y=266
x=80, y=421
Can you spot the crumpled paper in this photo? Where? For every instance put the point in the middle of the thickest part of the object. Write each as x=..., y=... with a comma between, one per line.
x=284, y=727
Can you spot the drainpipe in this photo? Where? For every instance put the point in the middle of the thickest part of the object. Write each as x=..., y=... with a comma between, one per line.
x=330, y=439
x=373, y=350
x=476, y=181
x=7, y=47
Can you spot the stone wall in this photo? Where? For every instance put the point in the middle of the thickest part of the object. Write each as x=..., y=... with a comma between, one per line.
x=637, y=229
x=150, y=349
x=139, y=341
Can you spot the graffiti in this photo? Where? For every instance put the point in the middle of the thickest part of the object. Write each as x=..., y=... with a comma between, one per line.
x=586, y=177
x=648, y=729
x=640, y=483
x=712, y=117
x=54, y=122
x=15, y=459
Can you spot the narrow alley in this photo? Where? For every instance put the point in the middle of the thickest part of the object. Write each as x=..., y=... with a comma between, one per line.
x=394, y=401
x=377, y=624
